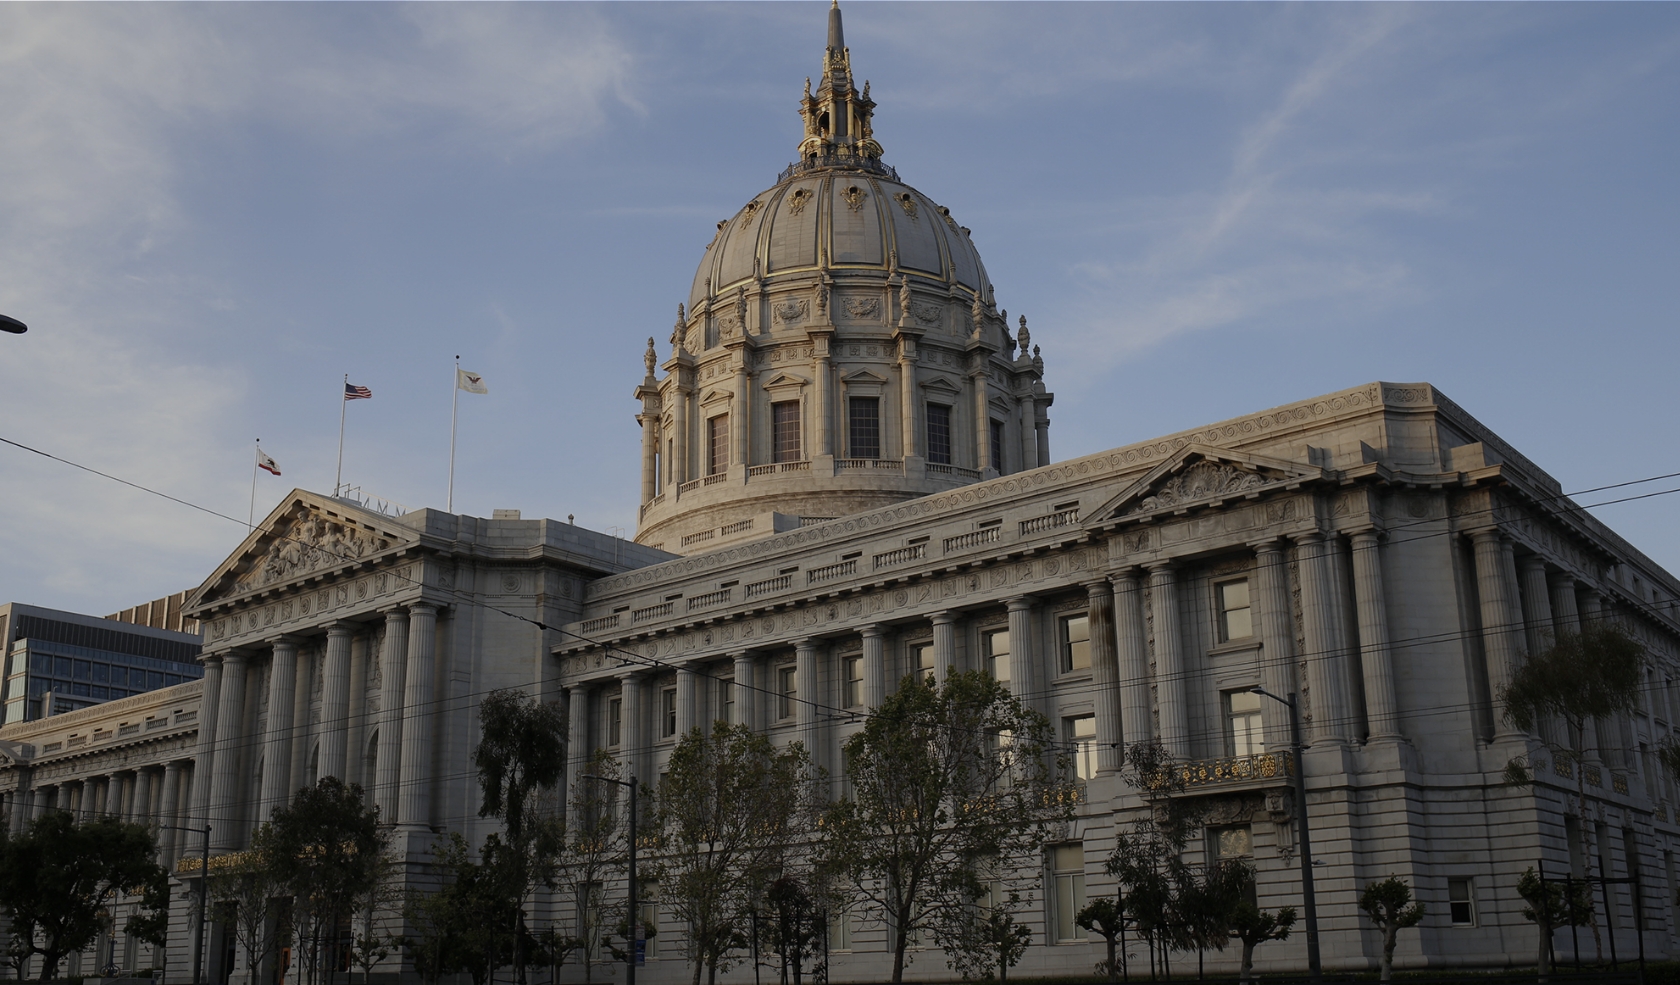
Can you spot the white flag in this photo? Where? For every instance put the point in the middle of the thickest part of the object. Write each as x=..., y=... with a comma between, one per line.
x=470, y=382
x=267, y=464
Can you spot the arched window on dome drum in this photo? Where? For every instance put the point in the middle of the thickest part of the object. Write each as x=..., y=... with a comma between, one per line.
x=784, y=432
x=939, y=434
x=864, y=418
x=717, y=444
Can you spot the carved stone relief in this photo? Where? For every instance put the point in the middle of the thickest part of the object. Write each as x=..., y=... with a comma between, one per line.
x=797, y=199
x=789, y=311
x=854, y=197
x=863, y=307
x=1200, y=481
x=311, y=543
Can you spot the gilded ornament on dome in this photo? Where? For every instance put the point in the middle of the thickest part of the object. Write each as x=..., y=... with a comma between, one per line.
x=797, y=200
x=854, y=197
x=907, y=202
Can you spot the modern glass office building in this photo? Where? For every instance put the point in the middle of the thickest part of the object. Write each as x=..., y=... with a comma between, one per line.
x=59, y=661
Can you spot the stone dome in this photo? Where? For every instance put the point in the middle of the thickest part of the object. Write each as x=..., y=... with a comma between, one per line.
x=839, y=351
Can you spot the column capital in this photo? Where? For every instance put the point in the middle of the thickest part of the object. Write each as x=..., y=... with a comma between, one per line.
x=1486, y=534
x=805, y=644
x=1270, y=545
x=391, y=612
x=234, y=657
x=1531, y=562
x=344, y=626
x=1124, y=576
x=211, y=658
x=873, y=631
x=1019, y=603
x=423, y=608
x=944, y=618
x=636, y=674
x=1368, y=534
x=1096, y=586
x=1564, y=580
x=1160, y=571
x=1308, y=537
x=285, y=639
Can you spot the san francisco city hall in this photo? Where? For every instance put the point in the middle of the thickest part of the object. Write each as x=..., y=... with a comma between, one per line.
x=846, y=478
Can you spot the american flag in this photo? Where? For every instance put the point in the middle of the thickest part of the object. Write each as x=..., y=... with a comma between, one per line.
x=354, y=392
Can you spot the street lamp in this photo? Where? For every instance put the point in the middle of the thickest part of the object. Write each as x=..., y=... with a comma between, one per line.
x=203, y=899
x=1308, y=903
x=630, y=960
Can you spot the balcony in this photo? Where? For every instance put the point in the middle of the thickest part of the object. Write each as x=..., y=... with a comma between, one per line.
x=1236, y=769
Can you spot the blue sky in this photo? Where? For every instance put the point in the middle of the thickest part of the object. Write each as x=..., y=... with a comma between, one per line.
x=210, y=213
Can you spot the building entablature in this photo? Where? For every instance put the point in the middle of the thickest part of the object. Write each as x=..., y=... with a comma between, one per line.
x=147, y=729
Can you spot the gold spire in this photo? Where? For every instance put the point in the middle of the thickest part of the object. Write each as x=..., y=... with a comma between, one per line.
x=838, y=118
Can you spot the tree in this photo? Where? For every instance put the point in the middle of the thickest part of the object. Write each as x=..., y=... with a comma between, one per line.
x=594, y=852
x=1254, y=926
x=327, y=847
x=58, y=878
x=1389, y=905
x=521, y=750
x=1107, y=917
x=1552, y=904
x=949, y=778
x=730, y=805
x=256, y=904
x=1159, y=887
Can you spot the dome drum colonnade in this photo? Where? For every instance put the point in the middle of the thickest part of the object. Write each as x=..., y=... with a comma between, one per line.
x=840, y=350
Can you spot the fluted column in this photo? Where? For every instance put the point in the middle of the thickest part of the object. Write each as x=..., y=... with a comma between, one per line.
x=824, y=400
x=169, y=811
x=204, y=756
x=1498, y=637
x=1277, y=638
x=578, y=749
x=805, y=714
x=1132, y=654
x=1382, y=708
x=1536, y=604
x=101, y=789
x=874, y=667
x=679, y=467
x=1023, y=671
x=141, y=811
x=335, y=700
x=909, y=409
x=117, y=797
x=740, y=419
x=414, y=796
x=1105, y=673
x=230, y=735
x=746, y=689
x=1566, y=614
x=983, y=423
x=393, y=667
x=1169, y=661
x=634, y=712
x=1324, y=650
x=277, y=746
x=688, y=697
x=303, y=732
x=1041, y=424
x=357, y=728
x=944, y=645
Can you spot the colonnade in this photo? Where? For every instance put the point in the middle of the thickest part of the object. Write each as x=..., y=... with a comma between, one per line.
x=154, y=793
x=292, y=750
x=1142, y=667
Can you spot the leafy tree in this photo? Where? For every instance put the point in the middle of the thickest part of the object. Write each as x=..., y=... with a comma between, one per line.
x=991, y=943
x=521, y=751
x=57, y=879
x=1552, y=904
x=730, y=805
x=327, y=847
x=949, y=778
x=796, y=930
x=1254, y=926
x=256, y=904
x=1106, y=917
x=1160, y=892
x=595, y=850
x=1389, y=905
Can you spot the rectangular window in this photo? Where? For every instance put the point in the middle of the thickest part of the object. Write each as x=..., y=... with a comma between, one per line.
x=852, y=696
x=939, y=434
x=1461, y=902
x=726, y=701
x=864, y=416
x=1243, y=734
x=784, y=431
x=717, y=444
x=787, y=691
x=668, y=712
x=997, y=445
x=1234, y=842
x=1075, y=634
x=1236, y=620
x=1081, y=736
x=1068, y=864
x=921, y=660
x=615, y=722
x=649, y=905
x=840, y=930
x=996, y=646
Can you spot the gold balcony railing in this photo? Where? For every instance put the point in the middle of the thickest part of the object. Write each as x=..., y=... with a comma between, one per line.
x=1236, y=769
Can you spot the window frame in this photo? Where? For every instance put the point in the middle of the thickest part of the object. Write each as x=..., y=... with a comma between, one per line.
x=787, y=437
x=913, y=651
x=717, y=444
x=1468, y=902
x=615, y=722
x=668, y=712
x=851, y=680
x=1222, y=615
x=990, y=655
x=787, y=692
x=947, y=445
x=1065, y=643
x=1066, y=907
x=1254, y=729
x=1082, y=747
x=870, y=445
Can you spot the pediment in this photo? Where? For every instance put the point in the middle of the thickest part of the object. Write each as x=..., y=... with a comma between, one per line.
x=306, y=535
x=1201, y=475
x=863, y=376
x=940, y=384
x=785, y=379
x=716, y=396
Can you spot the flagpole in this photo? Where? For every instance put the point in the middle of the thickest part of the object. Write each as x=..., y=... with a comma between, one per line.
x=338, y=478
x=250, y=519
x=454, y=405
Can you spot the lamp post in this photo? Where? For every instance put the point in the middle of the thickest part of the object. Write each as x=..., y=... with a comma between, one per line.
x=203, y=899
x=630, y=960
x=1308, y=902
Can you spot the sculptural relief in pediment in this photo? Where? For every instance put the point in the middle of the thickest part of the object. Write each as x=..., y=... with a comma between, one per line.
x=311, y=543
x=1202, y=480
